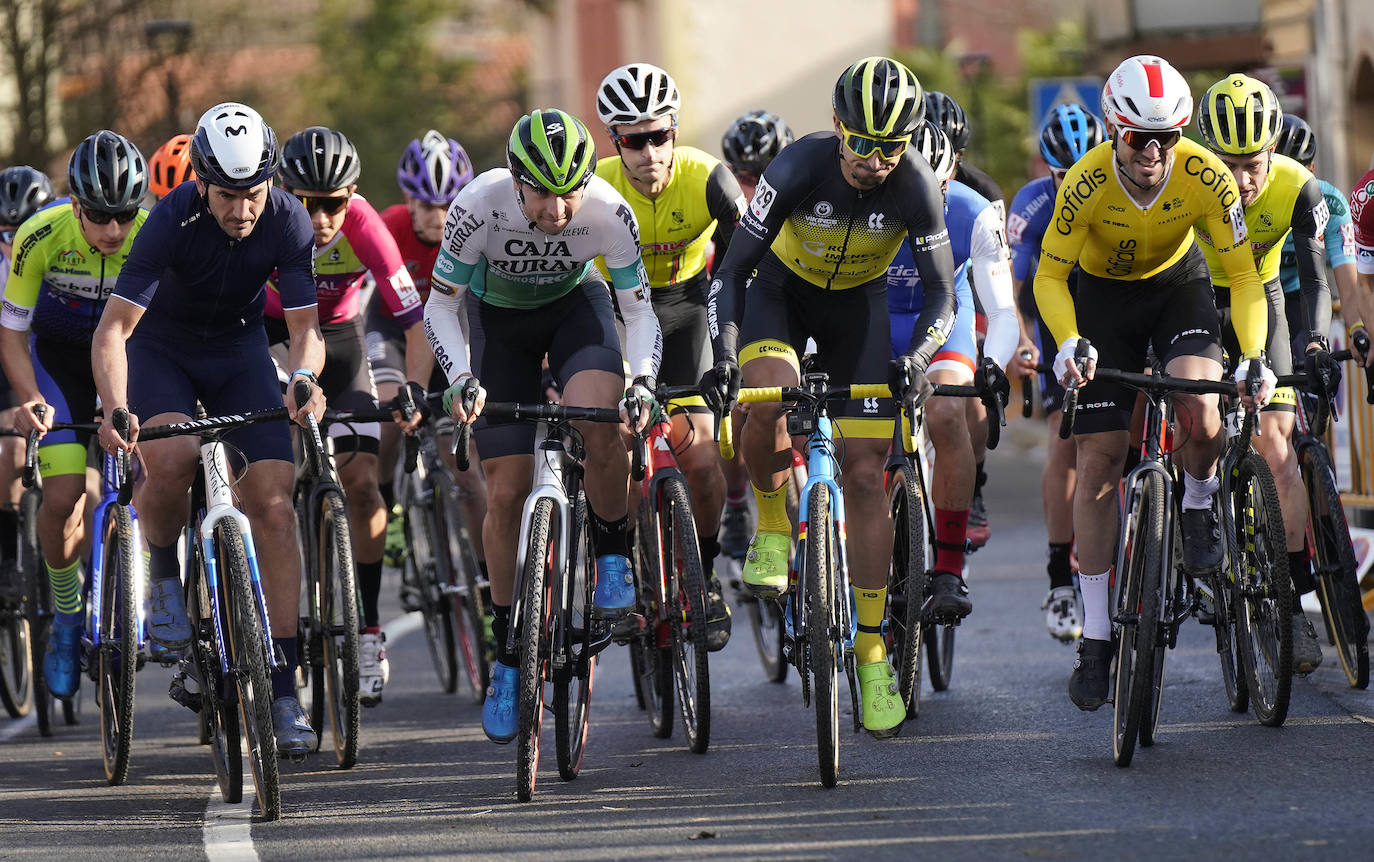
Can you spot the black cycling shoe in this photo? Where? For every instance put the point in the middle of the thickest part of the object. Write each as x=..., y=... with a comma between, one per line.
x=1091, y=679
x=1201, y=539
x=948, y=598
x=718, y=617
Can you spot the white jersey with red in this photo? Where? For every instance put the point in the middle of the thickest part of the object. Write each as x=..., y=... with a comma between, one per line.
x=361, y=246
x=1362, y=214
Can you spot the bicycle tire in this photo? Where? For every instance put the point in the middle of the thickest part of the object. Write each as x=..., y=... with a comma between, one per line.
x=1142, y=532
x=685, y=586
x=1223, y=598
x=247, y=643
x=34, y=576
x=118, y=650
x=16, y=668
x=337, y=583
x=461, y=588
x=770, y=634
x=820, y=607
x=534, y=646
x=572, y=686
x=1164, y=599
x=939, y=643
x=906, y=586
x=219, y=710
x=423, y=569
x=1263, y=590
x=1347, y=624
x=651, y=650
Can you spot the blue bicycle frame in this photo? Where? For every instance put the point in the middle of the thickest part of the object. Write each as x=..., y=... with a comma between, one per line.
x=109, y=497
x=822, y=468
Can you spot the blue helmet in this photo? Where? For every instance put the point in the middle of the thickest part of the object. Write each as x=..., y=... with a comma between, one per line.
x=1068, y=133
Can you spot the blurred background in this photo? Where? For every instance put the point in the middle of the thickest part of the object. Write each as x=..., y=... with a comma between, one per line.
x=384, y=71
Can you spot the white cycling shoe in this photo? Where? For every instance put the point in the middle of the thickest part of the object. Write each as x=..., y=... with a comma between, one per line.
x=1063, y=616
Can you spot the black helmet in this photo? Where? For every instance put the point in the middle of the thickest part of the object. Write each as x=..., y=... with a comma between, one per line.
x=753, y=140
x=23, y=192
x=319, y=160
x=1296, y=140
x=946, y=113
x=879, y=97
x=107, y=173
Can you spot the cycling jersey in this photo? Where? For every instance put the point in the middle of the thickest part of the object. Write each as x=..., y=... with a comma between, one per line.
x=59, y=282
x=418, y=257
x=1339, y=236
x=1290, y=202
x=980, y=250
x=417, y=254
x=1029, y=218
x=1100, y=227
x=835, y=237
x=361, y=245
x=702, y=197
x=491, y=248
x=1362, y=214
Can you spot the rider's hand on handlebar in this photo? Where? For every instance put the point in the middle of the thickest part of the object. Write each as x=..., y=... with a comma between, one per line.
x=417, y=400
x=110, y=440
x=1323, y=372
x=1267, y=382
x=996, y=381
x=720, y=386
x=1066, y=368
x=1023, y=363
x=637, y=407
x=465, y=399
x=26, y=419
x=907, y=382
x=1354, y=346
x=313, y=406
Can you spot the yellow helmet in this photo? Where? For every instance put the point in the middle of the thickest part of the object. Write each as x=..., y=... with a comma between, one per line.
x=1240, y=116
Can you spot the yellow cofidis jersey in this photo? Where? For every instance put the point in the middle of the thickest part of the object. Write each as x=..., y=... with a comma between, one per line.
x=1290, y=200
x=676, y=227
x=1101, y=228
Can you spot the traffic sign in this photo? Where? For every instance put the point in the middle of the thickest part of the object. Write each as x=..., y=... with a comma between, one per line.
x=1046, y=94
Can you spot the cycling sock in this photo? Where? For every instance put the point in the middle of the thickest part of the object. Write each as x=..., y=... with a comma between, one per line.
x=1097, y=622
x=388, y=494
x=370, y=586
x=163, y=563
x=608, y=537
x=736, y=498
x=772, y=506
x=710, y=548
x=871, y=609
x=951, y=535
x=66, y=591
x=500, y=627
x=284, y=681
x=1198, y=493
x=1059, y=567
x=1300, y=570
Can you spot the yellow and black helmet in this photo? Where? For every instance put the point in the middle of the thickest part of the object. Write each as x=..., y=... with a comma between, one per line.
x=880, y=97
x=1239, y=116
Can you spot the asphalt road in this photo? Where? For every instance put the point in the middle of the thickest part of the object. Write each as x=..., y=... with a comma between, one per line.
x=999, y=766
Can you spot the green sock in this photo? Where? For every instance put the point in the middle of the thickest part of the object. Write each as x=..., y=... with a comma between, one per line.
x=66, y=588
x=772, y=506
x=871, y=606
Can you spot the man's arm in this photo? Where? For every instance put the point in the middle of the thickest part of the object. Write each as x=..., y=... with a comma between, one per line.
x=110, y=366
x=725, y=203
x=305, y=353
x=1309, y=219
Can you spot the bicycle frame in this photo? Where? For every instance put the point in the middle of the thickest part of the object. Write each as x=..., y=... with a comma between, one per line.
x=823, y=468
x=110, y=482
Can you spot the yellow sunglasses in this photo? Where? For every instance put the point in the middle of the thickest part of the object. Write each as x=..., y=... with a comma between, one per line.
x=865, y=146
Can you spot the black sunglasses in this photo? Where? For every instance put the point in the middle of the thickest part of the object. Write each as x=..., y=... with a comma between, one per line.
x=100, y=218
x=329, y=205
x=640, y=140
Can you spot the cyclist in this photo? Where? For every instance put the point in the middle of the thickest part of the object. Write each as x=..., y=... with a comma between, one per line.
x=981, y=259
x=680, y=197
x=169, y=166
x=517, y=260
x=749, y=144
x=1125, y=214
x=834, y=209
x=1239, y=120
x=1362, y=215
x=64, y=269
x=320, y=167
x=219, y=238
x=23, y=192
x=430, y=173
x=1068, y=134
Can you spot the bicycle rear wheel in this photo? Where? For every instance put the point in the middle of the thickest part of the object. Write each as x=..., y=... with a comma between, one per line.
x=1223, y=600
x=219, y=709
x=685, y=588
x=578, y=634
x=1136, y=611
x=765, y=620
x=422, y=570
x=534, y=645
x=906, y=585
x=460, y=584
x=821, y=631
x=1347, y=624
x=1263, y=590
x=16, y=670
x=248, y=651
x=336, y=584
x=1166, y=598
x=651, y=656
x=939, y=643
x=118, y=650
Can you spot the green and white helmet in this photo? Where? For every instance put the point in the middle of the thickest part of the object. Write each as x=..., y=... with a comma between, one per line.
x=551, y=149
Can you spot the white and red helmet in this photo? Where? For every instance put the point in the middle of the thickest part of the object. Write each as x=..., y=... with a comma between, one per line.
x=1145, y=92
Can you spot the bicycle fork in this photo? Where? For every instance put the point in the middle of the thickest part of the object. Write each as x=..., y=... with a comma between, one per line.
x=549, y=470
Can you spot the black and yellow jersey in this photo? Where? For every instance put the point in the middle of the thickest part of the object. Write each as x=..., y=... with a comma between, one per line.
x=1291, y=200
x=837, y=237
x=676, y=227
x=1100, y=227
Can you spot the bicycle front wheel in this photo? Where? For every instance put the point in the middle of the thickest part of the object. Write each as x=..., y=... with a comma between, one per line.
x=118, y=650
x=534, y=645
x=821, y=630
x=461, y=586
x=906, y=585
x=1136, y=611
x=687, y=612
x=578, y=634
x=16, y=671
x=336, y=586
x=422, y=572
x=1347, y=624
x=1263, y=591
x=651, y=657
x=219, y=709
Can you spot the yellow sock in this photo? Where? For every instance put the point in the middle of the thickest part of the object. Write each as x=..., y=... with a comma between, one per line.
x=871, y=607
x=772, y=506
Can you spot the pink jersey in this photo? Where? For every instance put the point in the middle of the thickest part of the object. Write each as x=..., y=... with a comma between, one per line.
x=418, y=255
x=362, y=245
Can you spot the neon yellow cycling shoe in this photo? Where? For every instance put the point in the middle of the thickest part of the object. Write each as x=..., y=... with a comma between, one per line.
x=883, y=710
x=765, y=565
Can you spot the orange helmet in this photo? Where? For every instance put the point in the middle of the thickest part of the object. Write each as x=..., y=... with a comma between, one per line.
x=170, y=166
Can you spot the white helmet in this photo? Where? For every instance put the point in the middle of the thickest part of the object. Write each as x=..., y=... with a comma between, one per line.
x=634, y=93
x=233, y=147
x=937, y=149
x=1145, y=92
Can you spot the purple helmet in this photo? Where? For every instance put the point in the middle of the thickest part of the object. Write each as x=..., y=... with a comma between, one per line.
x=434, y=168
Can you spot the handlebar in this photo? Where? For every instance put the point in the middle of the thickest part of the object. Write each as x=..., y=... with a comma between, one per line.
x=406, y=401
x=119, y=418
x=312, y=443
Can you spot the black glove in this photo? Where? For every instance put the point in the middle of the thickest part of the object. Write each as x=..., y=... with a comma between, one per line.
x=908, y=382
x=417, y=395
x=1323, y=374
x=720, y=386
x=995, y=380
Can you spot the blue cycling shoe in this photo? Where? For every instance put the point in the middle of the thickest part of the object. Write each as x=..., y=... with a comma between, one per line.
x=62, y=662
x=615, y=587
x=168, y=624
x=500, y=715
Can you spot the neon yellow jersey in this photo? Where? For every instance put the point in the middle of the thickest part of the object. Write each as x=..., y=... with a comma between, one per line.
x=676, y=227
x=1291, y=199
x=1101, y=228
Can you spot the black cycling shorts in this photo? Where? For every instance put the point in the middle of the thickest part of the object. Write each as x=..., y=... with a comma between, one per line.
x=681, y=311
x=346, y=379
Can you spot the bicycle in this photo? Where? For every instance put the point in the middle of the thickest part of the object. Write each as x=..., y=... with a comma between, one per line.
x=669, y=651
x=441, y=577
x=16, y=659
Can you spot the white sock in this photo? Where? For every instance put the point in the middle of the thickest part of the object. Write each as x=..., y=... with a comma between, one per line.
x=1198, y=493
x=1097, y=621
